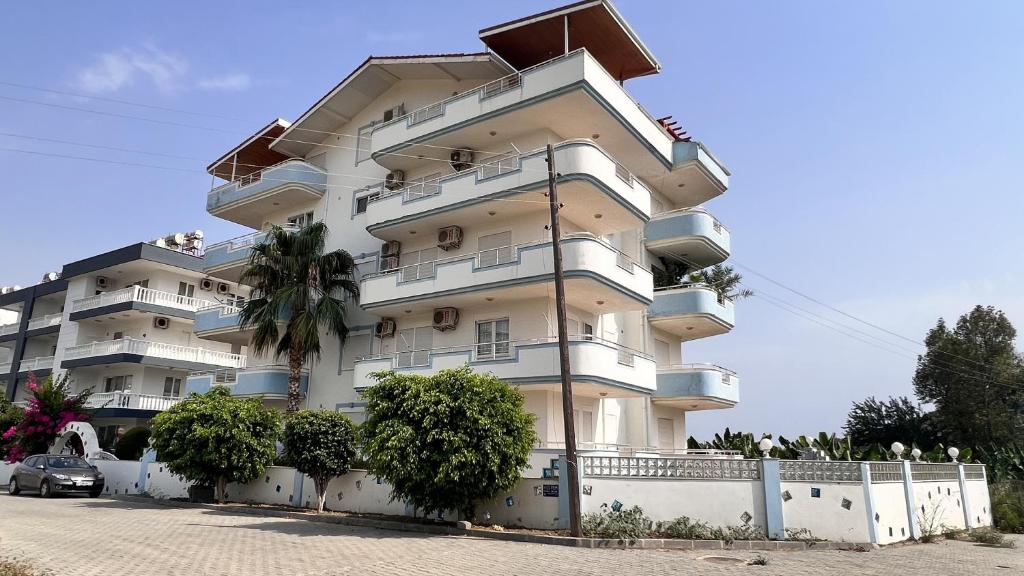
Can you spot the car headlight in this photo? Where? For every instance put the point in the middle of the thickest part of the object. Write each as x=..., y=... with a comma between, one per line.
x=99, y=476
x=62, y=477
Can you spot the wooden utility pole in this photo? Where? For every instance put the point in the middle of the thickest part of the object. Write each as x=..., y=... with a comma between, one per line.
x=573, y=473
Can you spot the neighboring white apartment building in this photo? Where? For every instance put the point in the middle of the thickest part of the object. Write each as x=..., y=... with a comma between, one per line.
x=431, y=171
x=121, y=323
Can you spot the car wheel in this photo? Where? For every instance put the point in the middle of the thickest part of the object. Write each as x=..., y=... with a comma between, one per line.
x=12, y=487
x=44, y=489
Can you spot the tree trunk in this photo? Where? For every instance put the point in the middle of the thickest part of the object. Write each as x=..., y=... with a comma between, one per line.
x=220, y=489
x=321, y=493
x=294, y=378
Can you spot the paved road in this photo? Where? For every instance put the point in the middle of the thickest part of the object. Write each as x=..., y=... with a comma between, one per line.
x=80, y=537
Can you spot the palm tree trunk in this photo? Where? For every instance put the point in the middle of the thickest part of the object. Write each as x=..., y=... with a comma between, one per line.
x=294, y=378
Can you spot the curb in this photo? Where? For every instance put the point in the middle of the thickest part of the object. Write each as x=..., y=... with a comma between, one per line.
x=639, y=544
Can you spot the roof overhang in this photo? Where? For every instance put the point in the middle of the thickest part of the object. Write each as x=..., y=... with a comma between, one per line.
x=376, y=75
x=592, y=24
x=252, y=155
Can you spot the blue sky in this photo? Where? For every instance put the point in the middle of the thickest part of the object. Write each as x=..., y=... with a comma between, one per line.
x=874, y=148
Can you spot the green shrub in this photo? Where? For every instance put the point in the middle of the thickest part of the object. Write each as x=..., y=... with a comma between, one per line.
x=686, y=528
x=320, y=444
x=628, y=524
x=1008, y=506
x=132, y=444
x=991, y=538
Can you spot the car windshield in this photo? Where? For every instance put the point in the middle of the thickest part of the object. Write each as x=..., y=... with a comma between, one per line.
x=66, y=462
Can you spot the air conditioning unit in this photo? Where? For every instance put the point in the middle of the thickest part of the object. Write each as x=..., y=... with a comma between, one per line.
x=206, y=284
x=223, y=288
x=446, y=319
x=385, y=328
x=396, y=112
x=389, y=263
x=461, y=159
x=390, y=248
x=161, y=322
x=394, y=180
x=51, y=276
x=102, y=282
x=449, y=237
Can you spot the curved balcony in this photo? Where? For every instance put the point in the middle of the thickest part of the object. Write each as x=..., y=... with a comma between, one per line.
x=269, y=381
x=598, y=367
x=134, y=299
x=690, y=234
x=598, y=278
x=132, y=351
x=691, y=312
x=598, y=193
x=38, y=364
x=220, y=323
x=246, y=201
x=226, y=260
x=697, y=387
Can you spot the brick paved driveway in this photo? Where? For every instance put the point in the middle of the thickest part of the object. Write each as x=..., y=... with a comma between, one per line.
x=78, y=537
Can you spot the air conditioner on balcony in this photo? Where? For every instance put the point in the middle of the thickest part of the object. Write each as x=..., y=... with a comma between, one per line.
x=161, y=322
x=206, y=284
x=461, y=159
x=390, y=248
x=51, y=276
x=446, y=319
x=396, y=112
x=449, y=237
x=394, y=180
x=389, y=263
x=102, y=282
x=385, y=328
x=223, y=288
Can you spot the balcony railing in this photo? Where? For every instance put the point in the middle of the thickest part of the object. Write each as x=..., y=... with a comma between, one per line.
x=9, y=329
x=246, y=240
x=44, y=321
x=37, y=363
x=155, y=350
x=138, y=294
x=131, y=401
x=5, y=367
x=291, y=171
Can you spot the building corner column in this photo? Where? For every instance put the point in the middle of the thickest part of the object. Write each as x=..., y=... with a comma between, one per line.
x=771, y=481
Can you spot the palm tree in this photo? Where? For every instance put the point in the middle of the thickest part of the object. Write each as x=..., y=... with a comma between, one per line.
x=722, y=279
x=294, y=281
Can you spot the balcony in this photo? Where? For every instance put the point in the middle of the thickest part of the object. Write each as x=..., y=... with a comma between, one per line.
x=691, y=312
x=691, y=235
x=598, y=367
x=697, y=387
x=130, y=401
x=267, y=381
x=247, y=200
x=37, y=364
x=226, y=260
x=598, y=192
x=47, y=321
x=130, y=350
x=220, y=322
x=598, y=278
x=135, y=299
x=5, y=367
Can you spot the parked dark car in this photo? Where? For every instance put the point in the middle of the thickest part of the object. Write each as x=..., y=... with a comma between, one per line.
x=51, y=474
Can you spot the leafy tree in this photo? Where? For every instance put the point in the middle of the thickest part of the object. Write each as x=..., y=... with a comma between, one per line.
x=293, y=277
x=10, y=416
x=722, y=279
x=50, y=408
x=215, y=438
x=875, y=422
x=447, y=441
x=132, y=444
x=974, y=378
x=320, y=444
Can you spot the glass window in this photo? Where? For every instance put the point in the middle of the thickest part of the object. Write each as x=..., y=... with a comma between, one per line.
x=418, y=264
x=492, y=339
x=414, y=346
x=172, y=387
x=118, y=383
x=186, y=289
x=301, y=220
x=495, y=249
x=363, y=144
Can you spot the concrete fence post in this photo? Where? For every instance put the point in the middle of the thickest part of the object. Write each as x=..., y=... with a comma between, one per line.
x=965, y=500
x=771, y=481
x=908, y=497
x=869, y=502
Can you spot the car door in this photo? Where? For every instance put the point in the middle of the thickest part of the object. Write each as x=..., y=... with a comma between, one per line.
x=28, y=477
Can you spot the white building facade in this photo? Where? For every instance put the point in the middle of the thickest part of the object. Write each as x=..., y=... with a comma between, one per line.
x=431, y=172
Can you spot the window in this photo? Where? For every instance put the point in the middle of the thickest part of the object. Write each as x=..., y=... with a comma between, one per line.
x=414, y=346
x=419, y=264
x=364, y=200
x=118, y=335
x=495, y=249
x=301, y=220
x=172, y=387
x=492, y=339
x=141, y=283
x=118, y=383
x=363, y=145
x=583, y=421
x=186, y=289
x=588, y=331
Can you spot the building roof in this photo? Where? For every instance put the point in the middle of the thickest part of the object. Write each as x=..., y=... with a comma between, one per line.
x=592, y=24
x=368, y=81
x=254, y=153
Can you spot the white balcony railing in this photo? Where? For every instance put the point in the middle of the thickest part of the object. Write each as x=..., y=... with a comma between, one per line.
x=9, y=329
x=156, y=350
x=131, y=401
x=246, y=240
x=44, y=321
x=37, y=363
x=5, y=367
x=137, y=294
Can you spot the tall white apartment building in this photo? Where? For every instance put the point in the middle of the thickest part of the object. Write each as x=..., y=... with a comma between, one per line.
x=430, y=170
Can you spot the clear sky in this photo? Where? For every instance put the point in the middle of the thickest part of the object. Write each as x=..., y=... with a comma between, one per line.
x=874, y=147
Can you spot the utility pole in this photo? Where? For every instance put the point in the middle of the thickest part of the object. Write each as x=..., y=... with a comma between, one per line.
x=573, y=473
